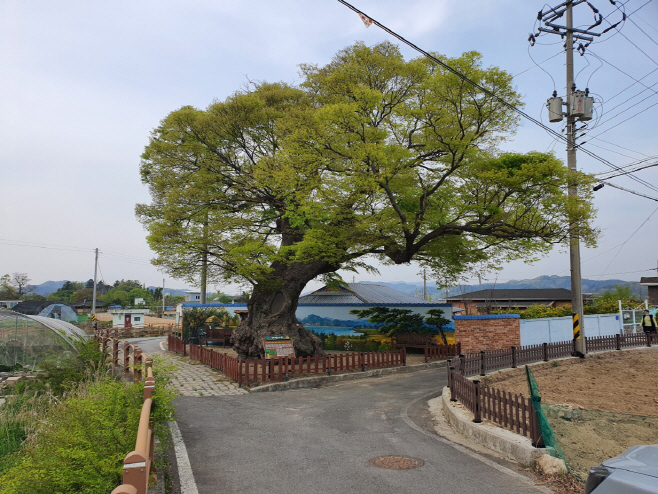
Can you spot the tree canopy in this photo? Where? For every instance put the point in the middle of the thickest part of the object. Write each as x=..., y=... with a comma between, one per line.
x=370, y=157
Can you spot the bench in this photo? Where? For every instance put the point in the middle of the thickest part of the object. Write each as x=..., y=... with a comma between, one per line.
x=413, y=340
x=222, y=335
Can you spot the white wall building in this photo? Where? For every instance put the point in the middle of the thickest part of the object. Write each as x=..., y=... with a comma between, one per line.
x=128, y=318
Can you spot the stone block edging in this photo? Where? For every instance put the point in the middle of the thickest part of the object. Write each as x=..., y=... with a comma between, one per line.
x=311, y=382
x=507, y=443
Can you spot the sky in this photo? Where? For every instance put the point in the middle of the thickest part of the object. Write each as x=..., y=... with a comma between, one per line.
x=84, y=83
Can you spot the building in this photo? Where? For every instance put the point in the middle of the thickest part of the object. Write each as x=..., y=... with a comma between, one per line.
x=128, y=318
x=47, y=308
x=8, y=304
x=85, y=305
x=652, y=284
x=327, y=310
x=484, y=301
x=192, y=297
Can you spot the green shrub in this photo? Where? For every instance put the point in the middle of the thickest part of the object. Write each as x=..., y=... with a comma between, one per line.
x=78, y=443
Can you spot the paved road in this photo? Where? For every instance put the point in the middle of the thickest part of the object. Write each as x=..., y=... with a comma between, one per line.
x=321, y=440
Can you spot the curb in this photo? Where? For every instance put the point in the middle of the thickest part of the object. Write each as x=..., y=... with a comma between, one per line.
x=507, y=443
x=311, y=382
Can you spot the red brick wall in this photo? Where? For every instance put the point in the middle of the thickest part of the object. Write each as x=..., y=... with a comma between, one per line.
x=487, y=334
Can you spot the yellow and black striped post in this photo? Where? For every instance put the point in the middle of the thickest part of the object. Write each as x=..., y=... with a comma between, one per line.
x=576, y=326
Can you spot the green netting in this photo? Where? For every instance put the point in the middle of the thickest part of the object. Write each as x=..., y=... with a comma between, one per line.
x=549, y=438
x=589, y=437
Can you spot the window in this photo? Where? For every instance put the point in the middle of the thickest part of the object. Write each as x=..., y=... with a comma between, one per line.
x=136, y=318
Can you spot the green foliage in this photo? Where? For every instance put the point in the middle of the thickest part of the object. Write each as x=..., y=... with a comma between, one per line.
x=538, y=311
x=620, y=292
x=7, y=289
x=195, y=319
x=371, y=155
x=77, y=443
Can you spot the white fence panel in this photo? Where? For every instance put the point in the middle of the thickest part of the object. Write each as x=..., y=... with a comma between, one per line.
x=553, y=329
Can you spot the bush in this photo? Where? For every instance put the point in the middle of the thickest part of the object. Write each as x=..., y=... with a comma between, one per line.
x=538, y=311
x=78, y=443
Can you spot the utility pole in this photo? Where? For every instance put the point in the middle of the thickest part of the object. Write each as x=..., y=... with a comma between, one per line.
x=424, y=284
x=579, y=107
x=163, y=296
x=93, y=302
x=574, y=241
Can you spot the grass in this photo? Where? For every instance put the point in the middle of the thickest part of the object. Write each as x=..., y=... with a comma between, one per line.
x=69, y=429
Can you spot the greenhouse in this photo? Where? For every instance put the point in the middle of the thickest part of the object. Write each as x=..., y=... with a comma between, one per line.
x=26, y=340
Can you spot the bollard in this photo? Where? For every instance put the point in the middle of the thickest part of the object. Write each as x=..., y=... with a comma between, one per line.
x=545, y=349
x=477, y=414
x=483, y=363
x=513, y=357
x=618, y=341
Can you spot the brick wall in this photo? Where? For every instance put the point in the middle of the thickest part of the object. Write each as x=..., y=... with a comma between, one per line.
x=653, y=295
x=493, y=332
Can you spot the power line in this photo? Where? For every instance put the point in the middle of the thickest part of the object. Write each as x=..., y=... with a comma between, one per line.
x=629, y=191
x=363, y=15
x=634, y=170
x=617, y=145
x=626, y=241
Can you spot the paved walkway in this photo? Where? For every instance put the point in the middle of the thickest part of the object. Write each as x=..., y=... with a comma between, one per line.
x=192, y=378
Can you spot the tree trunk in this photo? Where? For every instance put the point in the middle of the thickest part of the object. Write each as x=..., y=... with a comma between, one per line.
x=272, y=309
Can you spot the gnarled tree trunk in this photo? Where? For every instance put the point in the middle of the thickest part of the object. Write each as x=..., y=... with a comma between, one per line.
x=272, y=312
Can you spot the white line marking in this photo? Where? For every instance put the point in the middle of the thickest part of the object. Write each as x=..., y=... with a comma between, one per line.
x=405, y=416
x=161, y=347
x=185, y=475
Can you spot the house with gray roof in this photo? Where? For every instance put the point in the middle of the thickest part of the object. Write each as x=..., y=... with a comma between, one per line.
x=484, y=301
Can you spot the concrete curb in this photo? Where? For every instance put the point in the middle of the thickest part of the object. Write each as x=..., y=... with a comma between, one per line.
x=311, y=382
x=507, y=443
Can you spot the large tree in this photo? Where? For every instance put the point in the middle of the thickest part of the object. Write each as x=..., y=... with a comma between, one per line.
x=370, y=157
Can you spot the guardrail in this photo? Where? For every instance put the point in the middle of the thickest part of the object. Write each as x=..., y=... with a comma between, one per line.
x=514, y=412
x=138, y=463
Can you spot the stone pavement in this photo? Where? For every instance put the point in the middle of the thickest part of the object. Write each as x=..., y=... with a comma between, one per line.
x=197, y=379
x=192, y=378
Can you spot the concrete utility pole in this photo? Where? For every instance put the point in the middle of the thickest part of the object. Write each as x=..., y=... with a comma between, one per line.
x=579, y=109
x=163, y=297
x=424, y=284
x=93, y=302
x=574, y=241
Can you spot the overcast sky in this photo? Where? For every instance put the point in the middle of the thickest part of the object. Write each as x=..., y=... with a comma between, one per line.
x=82, y=84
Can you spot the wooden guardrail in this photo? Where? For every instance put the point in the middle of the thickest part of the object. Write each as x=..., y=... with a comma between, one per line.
x=137, y=464
x=511, y=411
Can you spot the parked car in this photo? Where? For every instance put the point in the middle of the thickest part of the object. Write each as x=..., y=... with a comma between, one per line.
x=634, y=471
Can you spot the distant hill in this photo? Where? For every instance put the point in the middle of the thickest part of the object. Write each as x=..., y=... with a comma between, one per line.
x=49, y=287
x=589, y=286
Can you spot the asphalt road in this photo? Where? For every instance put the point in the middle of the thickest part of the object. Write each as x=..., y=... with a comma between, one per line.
x=321, y=440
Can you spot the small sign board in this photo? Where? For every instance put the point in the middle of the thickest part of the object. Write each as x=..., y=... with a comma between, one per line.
x=278, y=346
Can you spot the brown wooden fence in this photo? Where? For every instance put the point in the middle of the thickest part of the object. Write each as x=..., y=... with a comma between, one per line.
x=515, y=412
x=148, y=330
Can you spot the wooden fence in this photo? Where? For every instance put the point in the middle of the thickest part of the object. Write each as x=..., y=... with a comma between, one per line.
x=148, y=330
x=282, y=368
x=515, y=412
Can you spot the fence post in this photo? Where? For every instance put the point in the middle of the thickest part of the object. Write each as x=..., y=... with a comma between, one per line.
x=477, y=413
x=483, y=363
x=404, y=356
x=648, y=336
x=618, y=341
x=513, y=357
x=462, y=363
x=425, y=354
x=184, y=349
x=545, y=345
x=453, y=392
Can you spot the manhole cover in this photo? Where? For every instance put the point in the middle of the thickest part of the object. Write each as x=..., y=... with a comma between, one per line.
x=393, y=462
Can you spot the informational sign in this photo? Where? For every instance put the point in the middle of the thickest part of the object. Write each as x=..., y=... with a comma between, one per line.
x=278, y=346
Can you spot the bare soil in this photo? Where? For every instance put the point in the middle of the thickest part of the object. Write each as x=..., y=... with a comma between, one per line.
x=623, y=382
x=598, y=407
